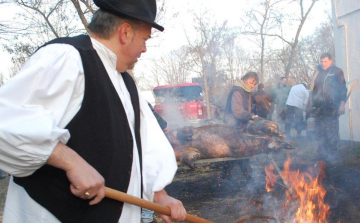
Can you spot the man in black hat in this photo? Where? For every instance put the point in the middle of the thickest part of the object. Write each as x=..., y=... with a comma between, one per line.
x=72, y=121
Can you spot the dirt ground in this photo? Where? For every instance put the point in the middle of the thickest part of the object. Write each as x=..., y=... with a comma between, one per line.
x=207, y=193
x=3, y=190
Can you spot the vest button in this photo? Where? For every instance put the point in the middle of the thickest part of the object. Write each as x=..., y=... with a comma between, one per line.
x=129, y=172
x=131, y=139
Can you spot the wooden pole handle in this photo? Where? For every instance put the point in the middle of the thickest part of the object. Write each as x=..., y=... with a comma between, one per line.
x=126, y=198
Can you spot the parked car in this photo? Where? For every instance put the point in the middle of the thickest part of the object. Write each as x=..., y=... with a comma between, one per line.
x=182, y=104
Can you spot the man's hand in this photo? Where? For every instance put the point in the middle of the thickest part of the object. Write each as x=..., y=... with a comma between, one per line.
x=86, y=182
x=254, y=117
x=178, y=212
x=342, y=108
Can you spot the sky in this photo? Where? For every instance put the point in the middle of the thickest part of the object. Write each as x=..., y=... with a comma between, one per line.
x=231, y=10
x=174, y=36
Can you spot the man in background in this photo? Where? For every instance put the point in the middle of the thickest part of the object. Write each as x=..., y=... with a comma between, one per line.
x=328, y=100
x=262, y=102
x=238, y=114
x=295, y=106
x=280, y=93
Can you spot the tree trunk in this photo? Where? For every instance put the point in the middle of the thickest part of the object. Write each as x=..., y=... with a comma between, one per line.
x=80, y=13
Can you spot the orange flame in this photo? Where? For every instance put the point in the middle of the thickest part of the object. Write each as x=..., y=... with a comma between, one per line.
x=307, y=194
x=270, y=177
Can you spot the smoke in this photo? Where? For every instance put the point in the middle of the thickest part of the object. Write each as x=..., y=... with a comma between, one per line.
x=227, y=188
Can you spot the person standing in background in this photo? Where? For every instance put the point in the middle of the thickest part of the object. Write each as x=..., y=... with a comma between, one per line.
x=280, y=94
x=239, y=102
x=262, y=102
x=295, y=107
x=238, y=114
x=328, y=101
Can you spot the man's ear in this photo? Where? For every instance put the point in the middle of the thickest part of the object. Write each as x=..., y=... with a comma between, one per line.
x=125, y=32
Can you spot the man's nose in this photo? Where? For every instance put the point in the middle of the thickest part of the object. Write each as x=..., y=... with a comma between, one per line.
x=144, y=49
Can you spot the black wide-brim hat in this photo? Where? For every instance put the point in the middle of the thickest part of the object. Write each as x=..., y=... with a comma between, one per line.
x=143, y=10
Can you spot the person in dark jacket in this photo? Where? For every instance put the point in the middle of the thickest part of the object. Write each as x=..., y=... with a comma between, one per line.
x=328, y=99
x=280, y=94
x=238, y=113
x=262, y=102
x=239, y=102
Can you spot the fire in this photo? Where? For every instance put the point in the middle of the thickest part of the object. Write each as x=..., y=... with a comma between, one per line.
x=305, y=197
x=271, y=177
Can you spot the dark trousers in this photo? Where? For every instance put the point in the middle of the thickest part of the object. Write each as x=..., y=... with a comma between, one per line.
x=327, y=133
x=294, y=115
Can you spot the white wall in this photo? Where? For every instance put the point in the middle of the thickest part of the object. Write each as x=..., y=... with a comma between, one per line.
x=346, y=20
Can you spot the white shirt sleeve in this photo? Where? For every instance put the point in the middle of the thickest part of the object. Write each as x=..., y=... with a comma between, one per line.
x=305, y=97
x=36, y=105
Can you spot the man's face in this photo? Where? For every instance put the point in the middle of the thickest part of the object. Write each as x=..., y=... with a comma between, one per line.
x=137, y=45
x=283, y=81
x=325, y=63
x=251, y=82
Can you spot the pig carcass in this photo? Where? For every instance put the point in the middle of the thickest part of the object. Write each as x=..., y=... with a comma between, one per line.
x=218, y=141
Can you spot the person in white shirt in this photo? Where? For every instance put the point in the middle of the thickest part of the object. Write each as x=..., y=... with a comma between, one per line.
x=295, y=106
x=70, y=125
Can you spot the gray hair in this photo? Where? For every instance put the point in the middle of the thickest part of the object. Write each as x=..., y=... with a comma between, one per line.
x=103, y=24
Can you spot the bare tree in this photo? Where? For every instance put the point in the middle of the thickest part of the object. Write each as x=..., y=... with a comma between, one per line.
x=206, y=50
x=42, y=20
x=309, y=51
x=82, y=12
x=261, y=20
x=173, y=67
x=38, y=21
x=303, y=16
x=52, y=18
x=236, y=61
x=2, y=79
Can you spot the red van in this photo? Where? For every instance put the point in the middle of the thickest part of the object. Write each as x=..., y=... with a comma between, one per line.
x=181, y=104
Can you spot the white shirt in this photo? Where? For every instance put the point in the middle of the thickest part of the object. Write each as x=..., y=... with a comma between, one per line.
x=35, y=107
x=298, y=96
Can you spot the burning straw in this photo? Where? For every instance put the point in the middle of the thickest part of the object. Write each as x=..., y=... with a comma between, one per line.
x=305, y=197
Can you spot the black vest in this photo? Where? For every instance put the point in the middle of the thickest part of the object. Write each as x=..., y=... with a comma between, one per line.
x=229, y=117
x=101, y=135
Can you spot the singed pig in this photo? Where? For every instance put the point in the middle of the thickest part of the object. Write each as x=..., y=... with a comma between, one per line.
x=218, y=141
x=262, y=126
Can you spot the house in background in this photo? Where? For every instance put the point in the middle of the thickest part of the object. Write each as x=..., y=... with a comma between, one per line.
x=346, y=17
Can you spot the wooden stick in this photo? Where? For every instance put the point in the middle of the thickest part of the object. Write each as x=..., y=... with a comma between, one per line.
x=287, y=185
x=351, y=89
x=123, y=197
x=251, y=217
